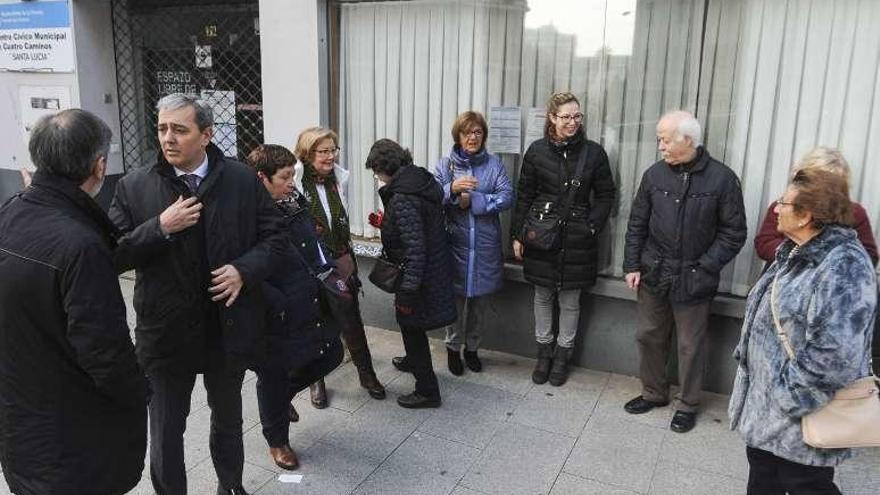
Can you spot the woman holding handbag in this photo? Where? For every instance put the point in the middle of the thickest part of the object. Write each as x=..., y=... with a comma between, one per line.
x=564, y=196
x=414, y=239
x=323, y=183
x=302, y=343
x=806, y=336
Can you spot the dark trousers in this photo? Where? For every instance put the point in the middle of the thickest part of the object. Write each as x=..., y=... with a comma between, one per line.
x=772, y=475
x=657, y=315
x=418, y=356
x=276, y=387
x=168, y=410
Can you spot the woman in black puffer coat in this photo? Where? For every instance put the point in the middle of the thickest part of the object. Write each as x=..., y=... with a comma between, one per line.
x=560, y=273
x=414, y=235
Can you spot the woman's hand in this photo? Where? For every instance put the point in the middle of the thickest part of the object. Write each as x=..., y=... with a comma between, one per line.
x=464, y=201
x=518, y=250
x=463, y=184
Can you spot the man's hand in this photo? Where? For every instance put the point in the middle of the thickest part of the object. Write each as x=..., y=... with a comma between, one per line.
x=226, y=284
x=517, y=250
x=633, y=279
x=463, y=184
x=464, y=201
x=182, y=214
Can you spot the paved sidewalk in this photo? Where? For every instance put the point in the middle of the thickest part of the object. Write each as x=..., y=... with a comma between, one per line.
x=496, y=433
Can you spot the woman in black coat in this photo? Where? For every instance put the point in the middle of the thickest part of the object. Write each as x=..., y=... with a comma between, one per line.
x=295, y=325
x=414, y=236
x=560, y=273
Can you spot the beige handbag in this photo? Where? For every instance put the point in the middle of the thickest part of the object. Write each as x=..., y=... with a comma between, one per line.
x=850, y=419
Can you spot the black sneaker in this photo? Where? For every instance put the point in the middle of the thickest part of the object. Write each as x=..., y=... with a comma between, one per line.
x=453, y=359
x=401, y=364
x=418, y=401
x=640, y=405
x=473, y=361
x=683, y=422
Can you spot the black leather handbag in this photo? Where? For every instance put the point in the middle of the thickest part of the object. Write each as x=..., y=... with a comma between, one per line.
x=386, y=274
x=542, y=227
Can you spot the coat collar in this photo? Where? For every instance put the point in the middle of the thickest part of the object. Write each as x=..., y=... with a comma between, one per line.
x=815, y=250
x=480, y=157
x=54, y=189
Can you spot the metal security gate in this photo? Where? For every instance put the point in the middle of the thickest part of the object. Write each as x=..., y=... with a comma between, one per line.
x=211, y=49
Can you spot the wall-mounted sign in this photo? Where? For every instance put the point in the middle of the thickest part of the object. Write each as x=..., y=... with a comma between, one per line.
x=36, y=36
x=505, y=129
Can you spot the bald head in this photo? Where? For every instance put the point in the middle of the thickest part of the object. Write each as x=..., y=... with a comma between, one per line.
x=678, y=136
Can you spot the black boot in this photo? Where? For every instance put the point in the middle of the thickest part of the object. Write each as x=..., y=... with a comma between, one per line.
x=473, y=361
x=356, y=341
x=542, y=367
x=318, y=394
x=559, y=371
x=453, y=359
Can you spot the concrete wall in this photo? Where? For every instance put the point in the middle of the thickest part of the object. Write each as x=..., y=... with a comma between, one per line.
x=606, y=337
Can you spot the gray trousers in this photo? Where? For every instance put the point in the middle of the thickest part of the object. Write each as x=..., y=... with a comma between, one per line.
x=468, y=329
x=657, y=315
x=569, y=314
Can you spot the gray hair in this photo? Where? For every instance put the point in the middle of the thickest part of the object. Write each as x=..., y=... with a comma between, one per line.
x=830, y=159
x=686, y=125
x=175, y=101
x=69, y=143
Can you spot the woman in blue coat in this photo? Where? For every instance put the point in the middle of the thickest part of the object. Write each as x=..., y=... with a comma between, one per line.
x=476, y=189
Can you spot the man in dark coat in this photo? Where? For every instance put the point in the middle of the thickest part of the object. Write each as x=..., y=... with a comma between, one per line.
x=687, y=222
x=203, y=234
x=73, y=402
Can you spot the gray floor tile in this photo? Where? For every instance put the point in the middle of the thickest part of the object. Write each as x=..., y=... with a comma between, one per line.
x=519, y=460
x=144, y=487
x=411, y=480
x=562, y=410
x=675, y=479
x=616, y=452
x=503, y=371
x=472, y=414
x=202, y=480
x=568, y=484
x=326, y=470
x=460, y=490
x=710, y=446
x=861, y=474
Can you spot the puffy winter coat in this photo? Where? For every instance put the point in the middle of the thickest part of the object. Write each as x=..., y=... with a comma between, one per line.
x=475, y=232
x=545, y=173
x=826, y=301
x=73, y=402
x=686, y=223
x=413, y=233
x=239, y=225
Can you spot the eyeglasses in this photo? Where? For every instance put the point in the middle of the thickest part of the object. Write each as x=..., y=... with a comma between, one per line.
x=327, y=152
x=565, y=117
x=475, y=133
x=785, y=203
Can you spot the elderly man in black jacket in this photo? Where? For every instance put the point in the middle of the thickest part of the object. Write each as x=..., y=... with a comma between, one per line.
x=73, y=402
x=687, y=221
x=202, y=233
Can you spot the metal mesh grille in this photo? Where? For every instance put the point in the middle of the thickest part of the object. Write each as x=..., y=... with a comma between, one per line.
x=209, y=50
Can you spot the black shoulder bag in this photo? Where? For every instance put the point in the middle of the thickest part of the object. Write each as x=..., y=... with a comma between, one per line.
x=542, y=227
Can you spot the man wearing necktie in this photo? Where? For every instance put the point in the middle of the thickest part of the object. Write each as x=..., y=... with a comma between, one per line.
x=202, y=233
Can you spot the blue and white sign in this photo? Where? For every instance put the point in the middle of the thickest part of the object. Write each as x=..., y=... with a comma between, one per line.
x=35, y=36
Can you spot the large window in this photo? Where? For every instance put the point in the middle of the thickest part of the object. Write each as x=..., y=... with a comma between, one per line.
x=768, y=79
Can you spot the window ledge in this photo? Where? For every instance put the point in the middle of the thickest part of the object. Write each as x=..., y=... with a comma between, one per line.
x=723, y=304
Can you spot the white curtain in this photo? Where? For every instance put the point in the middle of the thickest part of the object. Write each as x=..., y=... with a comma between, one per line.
x=769, y=80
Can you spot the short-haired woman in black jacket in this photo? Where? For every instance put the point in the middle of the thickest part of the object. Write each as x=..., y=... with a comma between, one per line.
x=562, y=272
x=414, y=235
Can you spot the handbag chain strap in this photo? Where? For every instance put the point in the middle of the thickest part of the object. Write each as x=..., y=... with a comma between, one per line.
x=574, y=183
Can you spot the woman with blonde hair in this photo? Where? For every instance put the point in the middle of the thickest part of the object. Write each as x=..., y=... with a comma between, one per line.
x=563, y=175
x=323, y=183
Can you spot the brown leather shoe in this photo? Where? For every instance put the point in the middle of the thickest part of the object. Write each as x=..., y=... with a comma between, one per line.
x=318, y=394
x=284, y=457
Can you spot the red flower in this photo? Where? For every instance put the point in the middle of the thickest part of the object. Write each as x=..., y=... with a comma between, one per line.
x=376, y=218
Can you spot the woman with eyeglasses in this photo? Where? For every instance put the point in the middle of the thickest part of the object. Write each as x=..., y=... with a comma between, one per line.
x=323, y=182
x=548, y=178
x=476, y=189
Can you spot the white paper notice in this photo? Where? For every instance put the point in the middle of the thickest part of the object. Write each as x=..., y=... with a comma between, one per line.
x=535, y=118
x=290, y=478
x=505, y=129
